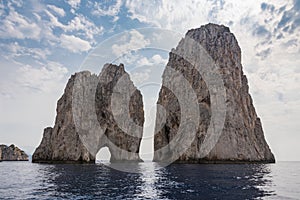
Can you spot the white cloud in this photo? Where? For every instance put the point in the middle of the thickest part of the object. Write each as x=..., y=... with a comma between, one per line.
x=143, y=69
x=43, y=79
x=74, y=3
x=18, y=3
x=157, y=59
x=143, y=62
x=15, y=25
x=14, y=50
x=140, y=77
x=74, y=44
x=78, y=24
x=41, y=28
x=53, y=20
x=111, y=10
x=137, y=59
x=154, y=60
x=57, y=10
x=170, y=14
x=136, y=41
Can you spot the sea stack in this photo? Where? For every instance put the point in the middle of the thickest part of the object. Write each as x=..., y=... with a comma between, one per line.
x=242, y=137
x=87, y=120
x=12, y=153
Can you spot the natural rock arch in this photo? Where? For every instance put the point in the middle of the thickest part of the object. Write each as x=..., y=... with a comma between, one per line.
x=77, y=136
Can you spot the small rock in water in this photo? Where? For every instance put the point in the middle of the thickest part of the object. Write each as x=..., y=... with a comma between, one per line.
x=12, y=153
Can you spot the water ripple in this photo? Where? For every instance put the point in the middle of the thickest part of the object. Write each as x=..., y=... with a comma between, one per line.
x=24, y=180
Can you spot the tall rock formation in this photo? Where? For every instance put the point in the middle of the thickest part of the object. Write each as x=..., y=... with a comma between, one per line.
x=120, y=111
x=86, y=120
x=242, y=138
x=12, y=153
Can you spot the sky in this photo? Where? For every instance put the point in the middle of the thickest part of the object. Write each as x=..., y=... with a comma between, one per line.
x=43, y=42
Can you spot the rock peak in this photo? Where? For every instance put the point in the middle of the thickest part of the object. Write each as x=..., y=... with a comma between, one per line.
x=211, y=31
x=112, y=68
x=215, y=27
x=242, y=138
x=217, y=40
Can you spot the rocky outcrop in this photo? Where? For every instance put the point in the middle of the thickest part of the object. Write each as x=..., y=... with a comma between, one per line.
x=12, y=153
x=242, y=138
x=62, y=142
x=90, y=116
x=120, y=113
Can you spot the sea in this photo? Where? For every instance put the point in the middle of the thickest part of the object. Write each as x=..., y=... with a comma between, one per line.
x=26, y=180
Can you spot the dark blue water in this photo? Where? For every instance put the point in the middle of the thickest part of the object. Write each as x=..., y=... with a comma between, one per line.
x=24, y=180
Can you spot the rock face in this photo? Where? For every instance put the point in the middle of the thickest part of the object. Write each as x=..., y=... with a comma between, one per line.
x=12, y=153
x=119, y=110
x=242, y=138
x=85, y=121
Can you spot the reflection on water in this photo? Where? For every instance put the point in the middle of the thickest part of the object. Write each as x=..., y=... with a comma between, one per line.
x=24, y=180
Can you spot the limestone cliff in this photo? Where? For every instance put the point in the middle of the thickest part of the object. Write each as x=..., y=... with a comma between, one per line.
x=85, y=121
x=242, y=138
x=119, y=109
x=12, y=153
